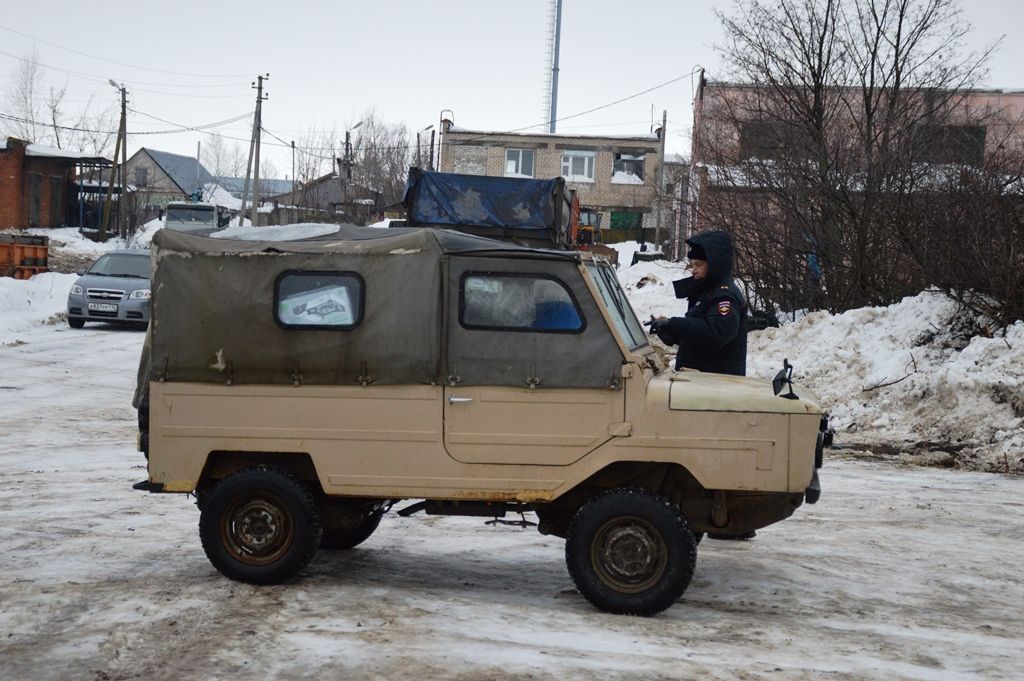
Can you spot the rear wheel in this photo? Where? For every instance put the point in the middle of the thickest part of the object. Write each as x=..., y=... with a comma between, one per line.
x=630, y=551
x=76, y=323
x=259, y=526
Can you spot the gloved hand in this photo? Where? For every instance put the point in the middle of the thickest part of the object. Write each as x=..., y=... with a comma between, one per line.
x=658, y=328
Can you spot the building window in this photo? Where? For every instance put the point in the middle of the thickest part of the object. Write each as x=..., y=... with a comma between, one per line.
x=952, y=144
x=763, y=140
x=518, y=302
x=628, y=169
x=578, y=166
x=318, y=300
x=141, y=177
x=519, y=163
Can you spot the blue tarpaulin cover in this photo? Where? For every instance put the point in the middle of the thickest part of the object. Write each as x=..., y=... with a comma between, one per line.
x=498, y=202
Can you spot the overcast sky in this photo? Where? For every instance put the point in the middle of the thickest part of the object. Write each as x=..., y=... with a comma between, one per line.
x=192, y=62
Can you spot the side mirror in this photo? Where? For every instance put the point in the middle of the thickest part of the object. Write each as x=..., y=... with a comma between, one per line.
x=784, y=378
x=80, y=273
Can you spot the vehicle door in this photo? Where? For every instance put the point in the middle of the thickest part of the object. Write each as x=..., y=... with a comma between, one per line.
x=533, y=370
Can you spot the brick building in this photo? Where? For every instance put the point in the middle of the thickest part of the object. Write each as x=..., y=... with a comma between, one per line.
x=731, y=144
x=37, y=184
x=615, y=177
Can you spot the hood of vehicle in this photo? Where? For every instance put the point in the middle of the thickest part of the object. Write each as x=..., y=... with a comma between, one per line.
x=699, y=391
x=126, y=284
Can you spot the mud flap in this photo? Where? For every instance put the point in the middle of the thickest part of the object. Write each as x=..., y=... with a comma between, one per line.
x=813, y=491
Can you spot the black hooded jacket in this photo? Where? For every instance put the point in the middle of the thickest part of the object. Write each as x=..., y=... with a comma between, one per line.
x=713, y=334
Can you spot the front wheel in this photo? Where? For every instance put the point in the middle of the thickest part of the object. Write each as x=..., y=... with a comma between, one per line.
x=259, y=526
x=630, y=551
x=75, y=323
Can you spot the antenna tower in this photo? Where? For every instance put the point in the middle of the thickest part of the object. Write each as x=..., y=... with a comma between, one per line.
x=554, y=37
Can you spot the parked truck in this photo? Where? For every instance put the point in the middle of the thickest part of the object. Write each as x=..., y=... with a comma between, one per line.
x=185, y=216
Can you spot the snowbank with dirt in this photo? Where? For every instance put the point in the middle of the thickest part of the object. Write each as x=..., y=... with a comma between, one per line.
x=915, y=375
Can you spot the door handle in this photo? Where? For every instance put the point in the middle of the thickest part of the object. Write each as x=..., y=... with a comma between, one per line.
x=452, y=399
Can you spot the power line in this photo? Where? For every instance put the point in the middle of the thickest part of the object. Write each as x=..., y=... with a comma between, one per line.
x=121, y=63
x=197, y=128
x=103, y=79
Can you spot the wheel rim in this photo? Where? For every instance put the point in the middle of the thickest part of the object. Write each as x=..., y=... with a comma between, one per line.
x=629, y=554
x=257, y=528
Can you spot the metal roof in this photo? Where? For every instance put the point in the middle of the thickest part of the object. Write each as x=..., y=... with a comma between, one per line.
x=182, y=170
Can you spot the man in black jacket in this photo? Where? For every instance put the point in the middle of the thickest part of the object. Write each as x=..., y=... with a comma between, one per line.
x=713, y=335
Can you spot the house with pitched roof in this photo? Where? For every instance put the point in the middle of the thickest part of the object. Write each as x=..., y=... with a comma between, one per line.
x=159, y=177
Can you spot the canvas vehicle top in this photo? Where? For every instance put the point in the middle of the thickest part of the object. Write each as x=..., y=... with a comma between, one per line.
x=301, y=388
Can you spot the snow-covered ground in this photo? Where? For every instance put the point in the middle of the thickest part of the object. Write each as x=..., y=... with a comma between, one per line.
x=898, y=572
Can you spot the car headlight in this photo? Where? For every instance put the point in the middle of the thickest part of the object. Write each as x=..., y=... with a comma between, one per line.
x=76, y=290
x=141, y=294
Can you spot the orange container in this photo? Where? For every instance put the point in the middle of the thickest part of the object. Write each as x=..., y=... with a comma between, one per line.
x=23, y=256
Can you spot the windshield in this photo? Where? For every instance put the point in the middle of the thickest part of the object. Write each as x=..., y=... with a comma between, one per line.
x=626, y=323
x=191, y=217
x=122, y=265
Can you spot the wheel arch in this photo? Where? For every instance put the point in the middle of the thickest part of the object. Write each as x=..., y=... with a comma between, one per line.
x=221, y=464
x=670, y=480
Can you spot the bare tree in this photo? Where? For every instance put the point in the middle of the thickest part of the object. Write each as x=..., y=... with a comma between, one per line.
x=818, y=162
x=24, y=98
x=382, y=153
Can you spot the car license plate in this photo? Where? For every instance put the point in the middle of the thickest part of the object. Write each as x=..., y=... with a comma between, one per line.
x=103, y=307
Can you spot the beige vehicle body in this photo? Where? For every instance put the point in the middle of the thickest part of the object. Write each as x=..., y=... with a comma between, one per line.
x=728, y=451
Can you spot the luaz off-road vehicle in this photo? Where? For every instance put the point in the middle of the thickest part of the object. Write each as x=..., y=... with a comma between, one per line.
x=300, y=388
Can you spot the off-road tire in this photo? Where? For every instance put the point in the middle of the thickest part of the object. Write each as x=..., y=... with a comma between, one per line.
x=76, y=323
x=630, y=551
x=260, y=526
x=341, y=538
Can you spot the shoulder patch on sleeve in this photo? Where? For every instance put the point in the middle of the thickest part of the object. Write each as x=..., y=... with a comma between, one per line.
x=724, y=307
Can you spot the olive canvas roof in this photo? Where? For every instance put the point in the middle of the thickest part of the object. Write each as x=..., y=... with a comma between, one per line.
x=354, y=239
x=215, y=313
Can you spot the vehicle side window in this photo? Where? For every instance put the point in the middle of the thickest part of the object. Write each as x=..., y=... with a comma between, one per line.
x=318, y=300
x=516, y=302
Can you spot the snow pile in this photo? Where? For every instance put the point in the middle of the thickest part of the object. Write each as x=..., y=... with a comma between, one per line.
x=214, y=193
x=27, y=303
x=908, y=375
x=302, y=230
x=71, y=239
x=144, y=235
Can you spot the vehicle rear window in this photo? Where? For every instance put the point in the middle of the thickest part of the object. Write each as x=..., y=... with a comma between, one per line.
x=518, y=302
x=318, y=300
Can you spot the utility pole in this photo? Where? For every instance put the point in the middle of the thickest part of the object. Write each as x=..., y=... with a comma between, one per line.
x=345, y=165
x=432, y=149
x=293, y=177
x=119, y=150
x=252, y=146
x=661, y=183
x=257, y=134
x=122, y=204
